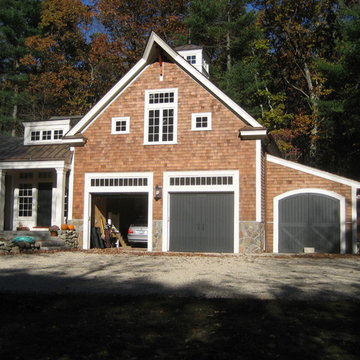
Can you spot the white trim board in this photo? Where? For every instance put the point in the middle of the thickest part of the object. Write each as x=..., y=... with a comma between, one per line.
x=168, y=189
x=28, y=165
x=89, y=190
x=307, y=191
x=313, y=171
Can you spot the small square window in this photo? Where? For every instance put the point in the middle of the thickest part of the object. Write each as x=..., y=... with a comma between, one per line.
x=191, y=59
x=120, y=125
x=58, y=134
x=201, y=121
x=35, y=135
x=46, y=135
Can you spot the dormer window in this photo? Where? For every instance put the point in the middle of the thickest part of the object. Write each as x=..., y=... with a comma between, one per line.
x=46, y=135
x=45, y=132
x=196, y=56
x=58, y=134
x=35, y=135
x=191, y=59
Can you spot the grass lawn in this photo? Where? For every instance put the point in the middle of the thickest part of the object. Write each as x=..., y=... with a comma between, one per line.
x=148, y=327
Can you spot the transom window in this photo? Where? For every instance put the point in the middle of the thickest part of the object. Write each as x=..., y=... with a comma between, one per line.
x=120, y=125
x=160, y=116
x=25, y=200
x=201, y=121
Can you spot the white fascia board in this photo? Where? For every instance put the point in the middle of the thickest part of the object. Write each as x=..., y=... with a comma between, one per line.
x=72, y=141
x=26, y=165
x=245, y=133
x=108, y=97
x=313, y=171
x=49, y=123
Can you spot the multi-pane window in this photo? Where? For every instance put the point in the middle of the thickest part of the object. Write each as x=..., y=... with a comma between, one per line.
x=25, y=200
x=120, y=125
x=191, y=59
x=160, y=117
x=201, y=121
x=46, y=135
x=35, y=135
x=58, y=134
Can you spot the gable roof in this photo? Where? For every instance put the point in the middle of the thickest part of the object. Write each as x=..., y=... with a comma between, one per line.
x=154, y=45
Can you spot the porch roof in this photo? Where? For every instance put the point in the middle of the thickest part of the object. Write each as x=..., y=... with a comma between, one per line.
x=13, y=149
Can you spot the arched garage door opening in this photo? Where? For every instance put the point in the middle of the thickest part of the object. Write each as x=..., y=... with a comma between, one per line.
x=309, y=219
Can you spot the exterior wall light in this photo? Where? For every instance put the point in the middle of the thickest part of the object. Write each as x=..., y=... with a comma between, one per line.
x=158, y=192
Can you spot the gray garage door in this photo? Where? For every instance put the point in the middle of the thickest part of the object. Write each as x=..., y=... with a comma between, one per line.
x=309, y=220
x=202, y=222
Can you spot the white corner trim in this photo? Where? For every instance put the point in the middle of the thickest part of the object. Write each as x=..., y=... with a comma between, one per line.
x=354, y=216
x=71, y=186
x=277, y=199
x=258, y=182
x=313, y=171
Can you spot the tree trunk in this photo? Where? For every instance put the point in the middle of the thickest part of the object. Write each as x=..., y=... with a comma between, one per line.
x=15, y=107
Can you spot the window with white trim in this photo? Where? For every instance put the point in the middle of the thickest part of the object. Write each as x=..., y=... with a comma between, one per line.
x=58, y=134
x=25, y=200
x=35, y=135
x=191, y=59
x=160, y=116
x=120, y=125
x=201, y=121
x=46, y=135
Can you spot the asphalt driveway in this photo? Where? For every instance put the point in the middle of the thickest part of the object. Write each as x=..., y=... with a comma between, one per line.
x=230, y=276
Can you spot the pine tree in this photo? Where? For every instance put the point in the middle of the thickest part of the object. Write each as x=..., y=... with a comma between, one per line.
x=18, y=20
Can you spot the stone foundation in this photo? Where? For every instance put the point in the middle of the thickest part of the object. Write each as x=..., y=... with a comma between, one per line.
x=11, y=247
x=70, y=237
x=157, y=235
x=252, y=237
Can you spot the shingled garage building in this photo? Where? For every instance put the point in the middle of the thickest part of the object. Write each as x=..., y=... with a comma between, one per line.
x=166, y=145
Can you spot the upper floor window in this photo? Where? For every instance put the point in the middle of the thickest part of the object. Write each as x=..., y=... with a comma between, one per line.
x=46, y=135
x=120, y=125
x=191, y=59
x=35, y=135
x=160, y=116
x=58, y=134
x=201, y=121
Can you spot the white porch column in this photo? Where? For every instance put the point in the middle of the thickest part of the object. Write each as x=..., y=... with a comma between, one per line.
x=2, y=199
x=59, y=197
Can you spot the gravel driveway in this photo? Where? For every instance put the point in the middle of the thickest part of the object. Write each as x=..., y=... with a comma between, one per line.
x=230, y=276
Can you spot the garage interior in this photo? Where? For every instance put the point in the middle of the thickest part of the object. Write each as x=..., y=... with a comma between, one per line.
x=123, y=210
